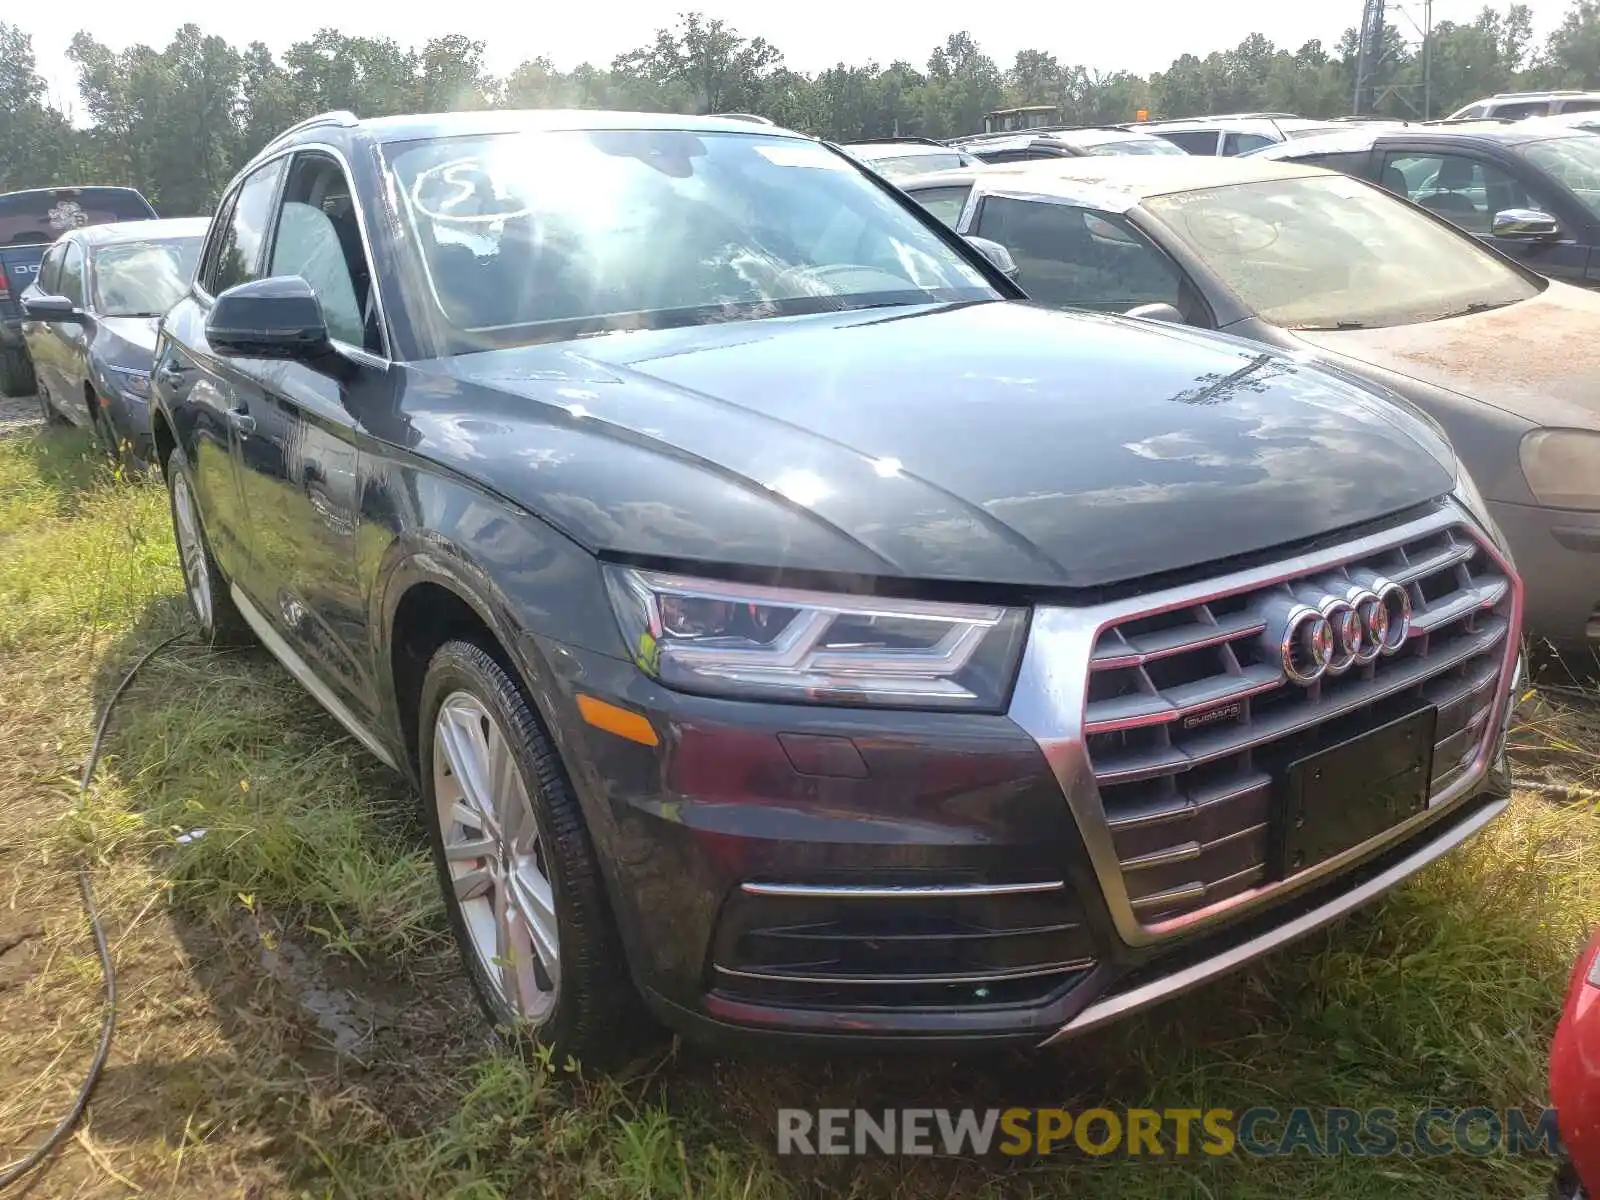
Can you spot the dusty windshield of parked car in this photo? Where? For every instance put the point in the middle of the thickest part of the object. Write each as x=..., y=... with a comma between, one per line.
x=143, y=279
x=543, y=236
x=1334, y=253
x=1575, y=161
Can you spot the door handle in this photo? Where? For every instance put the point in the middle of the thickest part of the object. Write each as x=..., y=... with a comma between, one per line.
x=241, y=422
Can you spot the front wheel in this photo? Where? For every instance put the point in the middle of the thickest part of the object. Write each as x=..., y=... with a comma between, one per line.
x=203, y=583
x=521, y=883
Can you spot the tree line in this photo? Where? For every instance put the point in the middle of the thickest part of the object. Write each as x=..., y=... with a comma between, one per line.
x=178, y=121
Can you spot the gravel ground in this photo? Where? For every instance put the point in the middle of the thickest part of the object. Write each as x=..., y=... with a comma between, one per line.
x=18, y=415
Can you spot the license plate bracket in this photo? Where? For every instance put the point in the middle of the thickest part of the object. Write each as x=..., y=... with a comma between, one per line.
x=1340, y=796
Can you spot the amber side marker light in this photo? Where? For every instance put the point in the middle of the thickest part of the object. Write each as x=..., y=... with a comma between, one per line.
x=616, y=720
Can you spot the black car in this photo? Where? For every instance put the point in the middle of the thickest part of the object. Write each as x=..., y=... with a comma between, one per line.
x=90, y=321
x=29, y=222
x=1533, y=194
x=788, y=626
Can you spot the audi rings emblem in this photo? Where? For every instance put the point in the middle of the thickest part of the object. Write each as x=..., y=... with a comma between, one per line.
x=1331, y=625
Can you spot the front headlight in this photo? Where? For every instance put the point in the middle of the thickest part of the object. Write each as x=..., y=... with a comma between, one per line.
x=130, y=382
x=762, y=643
x=1562, y=467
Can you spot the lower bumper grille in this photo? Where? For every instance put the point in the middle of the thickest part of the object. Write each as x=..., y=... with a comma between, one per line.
x=844, y=948
x=1191, y=714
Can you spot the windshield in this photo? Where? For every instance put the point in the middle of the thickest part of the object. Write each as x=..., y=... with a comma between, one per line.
x=1143, y=145
x=902, y=166
x=546, y=236
x=1575, y=161
x=1330, y=252
x=143, y=279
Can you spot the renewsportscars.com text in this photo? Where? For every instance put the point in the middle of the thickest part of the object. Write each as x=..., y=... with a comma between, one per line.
x=1167, y=1132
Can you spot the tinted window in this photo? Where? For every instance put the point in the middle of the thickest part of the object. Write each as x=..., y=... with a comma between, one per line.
x=71, y=281
x=546, y=236
x=239, y=251
x=1329, y=251
x=1464, y=191
x=1516, y=110
x=1194, y=141
x=1072, y=258
x=945, y=203
x=1238, y=143
x=43, y=216
x=1571, y=106
x=143, y=279
x=1350, y=164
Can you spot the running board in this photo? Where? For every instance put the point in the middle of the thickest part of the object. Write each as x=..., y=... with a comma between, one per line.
x=297, y=667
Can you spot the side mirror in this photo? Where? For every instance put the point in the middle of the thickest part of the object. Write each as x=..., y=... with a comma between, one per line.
x=999, y=257
x=1157, y=312
x=52, y=308
x=278, y=318
x=1524, y=225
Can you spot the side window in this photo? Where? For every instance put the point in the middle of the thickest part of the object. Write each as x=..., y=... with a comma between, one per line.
x=1516, y=110
x=1586, y=105
x=216, y=236
x=1193, y=141
x=1073, y=258
x=1238, y=143
x=1464, y=191
x=71, y=278
x=1350, y=163
x=319, y=239
x=238, y=258
x=1475, y=113
x=945, y=203
x=50, y=269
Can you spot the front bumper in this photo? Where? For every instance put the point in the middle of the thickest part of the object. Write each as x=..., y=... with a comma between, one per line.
x=1558, y=555
x=881, y=878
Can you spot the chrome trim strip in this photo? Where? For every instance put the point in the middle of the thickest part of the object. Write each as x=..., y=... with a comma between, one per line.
x=827, y=891
x=297, y=667
x=1052, y=689
x=1077, y=964
x=1114, y=1008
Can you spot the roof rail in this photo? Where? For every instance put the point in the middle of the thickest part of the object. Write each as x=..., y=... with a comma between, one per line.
x=753, y=118
x=341, y=117
x=1540, y=92
x=909, y=140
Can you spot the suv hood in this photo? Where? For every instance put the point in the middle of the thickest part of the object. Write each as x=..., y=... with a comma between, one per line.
x=1538, y=358
x=995, y=442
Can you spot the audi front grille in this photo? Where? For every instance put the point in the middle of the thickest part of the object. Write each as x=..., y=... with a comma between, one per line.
x=1171, y=746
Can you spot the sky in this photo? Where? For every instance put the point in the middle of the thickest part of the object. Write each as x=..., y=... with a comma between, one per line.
x=1140, y=36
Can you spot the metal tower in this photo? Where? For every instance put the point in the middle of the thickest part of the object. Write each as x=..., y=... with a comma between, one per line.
x=1369, y=53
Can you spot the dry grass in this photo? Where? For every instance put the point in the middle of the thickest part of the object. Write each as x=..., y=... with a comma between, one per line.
x=293, y=1022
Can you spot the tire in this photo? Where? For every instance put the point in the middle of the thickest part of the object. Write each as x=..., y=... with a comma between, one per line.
x=587, y=1008
x=203, y=582
x=16, y=372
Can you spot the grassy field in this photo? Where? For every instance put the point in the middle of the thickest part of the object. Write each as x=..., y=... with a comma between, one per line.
x=293, y=1022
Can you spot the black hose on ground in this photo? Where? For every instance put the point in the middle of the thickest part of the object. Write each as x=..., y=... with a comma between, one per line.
x=108, y=1020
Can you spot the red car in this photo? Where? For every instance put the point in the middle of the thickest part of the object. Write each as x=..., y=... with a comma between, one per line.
x=1575, y=1078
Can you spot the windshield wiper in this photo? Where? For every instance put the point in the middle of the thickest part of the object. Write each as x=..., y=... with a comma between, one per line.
x=1336, y=327
x=1477, y=306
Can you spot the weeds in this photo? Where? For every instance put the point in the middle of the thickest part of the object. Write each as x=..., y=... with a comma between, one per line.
x=294, y=1022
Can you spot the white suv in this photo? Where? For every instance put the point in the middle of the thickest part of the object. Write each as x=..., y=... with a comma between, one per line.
x=1513, y=106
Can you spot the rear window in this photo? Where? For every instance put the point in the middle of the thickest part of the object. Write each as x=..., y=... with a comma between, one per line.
x=1193, y=141
x=28, y=218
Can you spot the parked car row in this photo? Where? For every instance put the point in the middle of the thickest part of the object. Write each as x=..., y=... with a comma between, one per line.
x=801, y=630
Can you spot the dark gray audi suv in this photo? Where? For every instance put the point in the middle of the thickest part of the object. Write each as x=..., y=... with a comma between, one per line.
x=791, y=630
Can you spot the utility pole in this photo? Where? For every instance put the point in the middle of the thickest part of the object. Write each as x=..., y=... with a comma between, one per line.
x=1369, y=54
x=1427, y=60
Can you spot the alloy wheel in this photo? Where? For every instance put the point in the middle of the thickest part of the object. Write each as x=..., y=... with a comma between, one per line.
x=496, y=861
x=191, y=549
